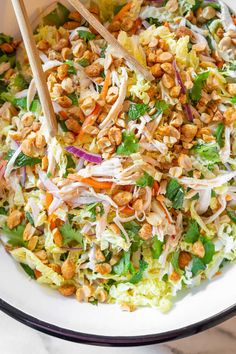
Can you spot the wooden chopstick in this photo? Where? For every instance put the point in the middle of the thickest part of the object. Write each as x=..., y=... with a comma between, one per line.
x=34, y=60
x=110, y=39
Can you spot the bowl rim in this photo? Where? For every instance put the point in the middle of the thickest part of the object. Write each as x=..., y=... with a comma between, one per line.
x=119, y=341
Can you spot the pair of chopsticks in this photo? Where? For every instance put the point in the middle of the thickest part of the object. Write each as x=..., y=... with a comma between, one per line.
x=32, y=52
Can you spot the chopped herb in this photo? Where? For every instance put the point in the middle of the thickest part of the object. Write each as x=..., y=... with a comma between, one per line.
x=70, y=162
x=137, y=110
x=175, y=193
x=153, y=21
x=29, y=218
x=3, y=211
x=21, y=102
x=5, y=39
x=214, y=5
x=193, y=232
x=103, y=51
x=232, y=215
x=132, y=228
x=28, y=270
x=145, y=180
x=83, y=62
x=86, y=35
x=219, y=134
x=129, y=144
x=95, y=209
x=208, y=152
x=209, y=250
x=93, y=302
x=139, y=274
x=196, y=91
x=71, y=69
x=117, y=9
x=195, y=197
x=233, y=100
x=161, y=107
x=197, y=265
x=70, y=234
x=22, y=159
x=15, y=235
x=122, y=267
x=35, y=106
x=73, y=97
x=209, y=41
x=19, y=82
x=175, y=261
x=157, y=247
x=57, y=17
x=62, y=124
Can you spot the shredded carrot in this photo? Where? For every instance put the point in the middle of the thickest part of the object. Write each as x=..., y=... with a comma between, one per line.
x=218, y=273
x=127, y=211
x=122, y=12
x=90, y=181
x=166, y=24
x=89, y=120
x=220, y=64
x=228, y=198
x=48, y=200
x=37, y=273
x=136, y=26
x=106, y=85
x=155, y=187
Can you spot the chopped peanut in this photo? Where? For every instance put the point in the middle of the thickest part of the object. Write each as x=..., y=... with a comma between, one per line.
x=14, y=219
x=67, y=289
x=146, y=231
x=28, y=232
x=94, y=70
x=122, y=198
x=198, y=249
x=68, y=269
x=103, y=268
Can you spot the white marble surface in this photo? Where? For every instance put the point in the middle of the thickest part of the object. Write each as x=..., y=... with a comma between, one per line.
x=16, y=338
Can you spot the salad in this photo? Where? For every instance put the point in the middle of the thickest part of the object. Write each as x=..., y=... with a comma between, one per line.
x=135, y=198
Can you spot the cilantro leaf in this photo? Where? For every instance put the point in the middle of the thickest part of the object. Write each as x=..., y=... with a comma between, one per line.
x=197, y=265
x=28, y=270
x=132, y=228
x=209, y=251
x=161, y=107
x=86, y=35
x=3, y=211
x=193, y=233
x=157, y=247
x=122, y=267
x=232, y=215
x=71, y=69
x=137, y=110
x=57, y=17
x=70, y=234
x=153, y=21
x=103, y=51
x=95, y=209
x=208, y=152
x=175, y=261
x=196, y=91
x=22, y=159
x=73, y=97
x=129, y=144
x=175, y=193
x=233, y=100
x=145, y=180
x=83, y=62
x=219, y=134
x=19, y=82
x=15, y=235
x=139, y=274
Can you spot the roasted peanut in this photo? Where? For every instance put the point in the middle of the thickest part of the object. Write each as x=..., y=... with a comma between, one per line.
x=67, y=290
x=64, y=102
x=189, y=131
x=94, y=70
x=168, y=81
x=230, y=116
x=87, y=105
x=73, y=125
x=198, y=249
x=14, y=219
x=122, y=198
x=55, y=267
x=164, y=57
x=68, y=269
x=156, y=70
x=28, y=232
x=33, y=243
x=146, y=231
x=115, y=135
x=103, y=268
x=112, y=95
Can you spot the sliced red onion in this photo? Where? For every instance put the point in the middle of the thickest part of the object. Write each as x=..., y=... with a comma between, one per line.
x=188, y=111
x=23, y=176
x=95, y=158
x=178, y=77
x=145, y=24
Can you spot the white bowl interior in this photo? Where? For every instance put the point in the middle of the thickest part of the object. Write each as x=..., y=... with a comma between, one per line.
x=47, y=305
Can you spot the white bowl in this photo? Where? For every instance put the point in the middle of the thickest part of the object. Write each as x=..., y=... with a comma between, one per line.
x=49, y=312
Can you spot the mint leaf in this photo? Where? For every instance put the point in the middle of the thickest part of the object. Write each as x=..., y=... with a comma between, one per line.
x=86, y=35
x=70, y=234
x=137, y=110
x=122, y=267
x=193, y=233
x=175, y=193
x=145, y=180
x=197, y=265
x=23, y=160
x=28, y=270
x=157, y=247
x=129, y=144
x=219, y=134
x=15, y=235
x=139, y=274
x=196, y=91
